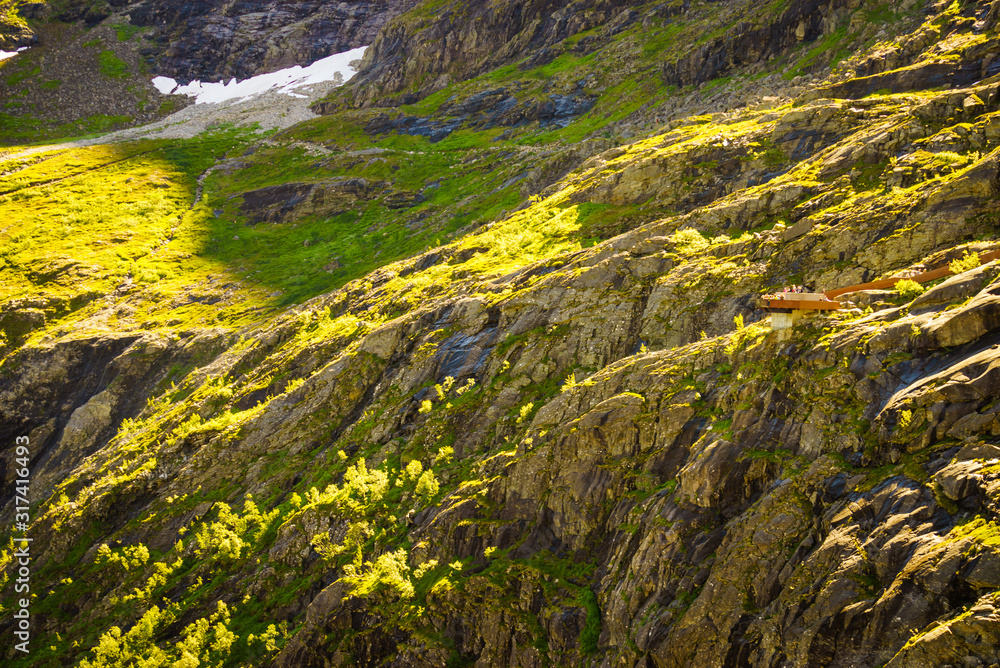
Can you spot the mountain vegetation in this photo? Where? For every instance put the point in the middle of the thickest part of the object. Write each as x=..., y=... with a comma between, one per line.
x=467, y=369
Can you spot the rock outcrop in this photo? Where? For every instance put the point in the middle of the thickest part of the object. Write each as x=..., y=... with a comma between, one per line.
x=210, y=40
x=213, y=41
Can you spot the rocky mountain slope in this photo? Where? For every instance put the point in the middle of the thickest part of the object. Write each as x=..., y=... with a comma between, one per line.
x=213, y=40
x=467, y=371
x=89, y=64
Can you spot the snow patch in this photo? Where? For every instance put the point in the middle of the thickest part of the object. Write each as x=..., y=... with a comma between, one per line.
x=283, y=81
x=165, y=85
x=4, y=55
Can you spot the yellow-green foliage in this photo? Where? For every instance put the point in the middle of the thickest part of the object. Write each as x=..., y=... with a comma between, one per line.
x=321, y=326
x=427, y=485
x=965, y=263
x=905, y=419
x=129, y=558
x=226, y=537
x=363, y=489
x=984, y=532
x=207, y=642
x=443, y=388
x=388, y=574
x=352, y=543
x=444, y=455
x=908, y=289
x=161, y=573
x=84, y=222
x=268, y=637
x=195, y=425
x=569, y=383
x=414, y=469
x=745, y=336
x=365, y=503
x=689, y=241
x=134, y=648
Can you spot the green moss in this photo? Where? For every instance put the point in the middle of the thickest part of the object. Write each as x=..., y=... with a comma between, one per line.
x=822, y=51
x=111, y=65
x=984, y=533
x=126, y=31
x=661, y=39
x=168, y=106
x=17, y=78
x=103, y=123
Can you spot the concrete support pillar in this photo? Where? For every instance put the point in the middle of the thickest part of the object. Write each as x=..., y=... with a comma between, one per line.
x=781, y=321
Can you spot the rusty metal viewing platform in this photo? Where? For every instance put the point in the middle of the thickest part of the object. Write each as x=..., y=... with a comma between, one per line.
x=789, y=306
x=786, y=302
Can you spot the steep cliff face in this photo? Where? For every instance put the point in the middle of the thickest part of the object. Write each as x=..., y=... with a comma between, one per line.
x=213, y=41
x=453, y=383
x=423, y=51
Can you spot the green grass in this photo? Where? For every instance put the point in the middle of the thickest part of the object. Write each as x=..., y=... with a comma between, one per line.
x=110, y=188
x=591, y=632
x=29, y=130
x=111, y=65
x=99, y=123
x=291, y=255
x=126, y=31
x=84, y=237
x=17, y=78
x=661, y=39
x=815, y=53
x=430, y=104
x=19, y=126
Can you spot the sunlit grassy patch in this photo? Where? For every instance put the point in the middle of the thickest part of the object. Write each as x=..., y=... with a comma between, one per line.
x=83, y=223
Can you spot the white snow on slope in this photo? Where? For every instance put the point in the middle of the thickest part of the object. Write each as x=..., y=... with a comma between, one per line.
x=285, y=102
x=10, y=54
x=283, y=81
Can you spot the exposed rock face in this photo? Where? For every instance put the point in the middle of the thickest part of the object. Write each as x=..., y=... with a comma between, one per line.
x=292, y=200
x=212, y=40
x=733, y=509
x=464, y=40
x=460, y=42
x=91, y=63
x=484, y=111
x=82, y=79
x=15, y=35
